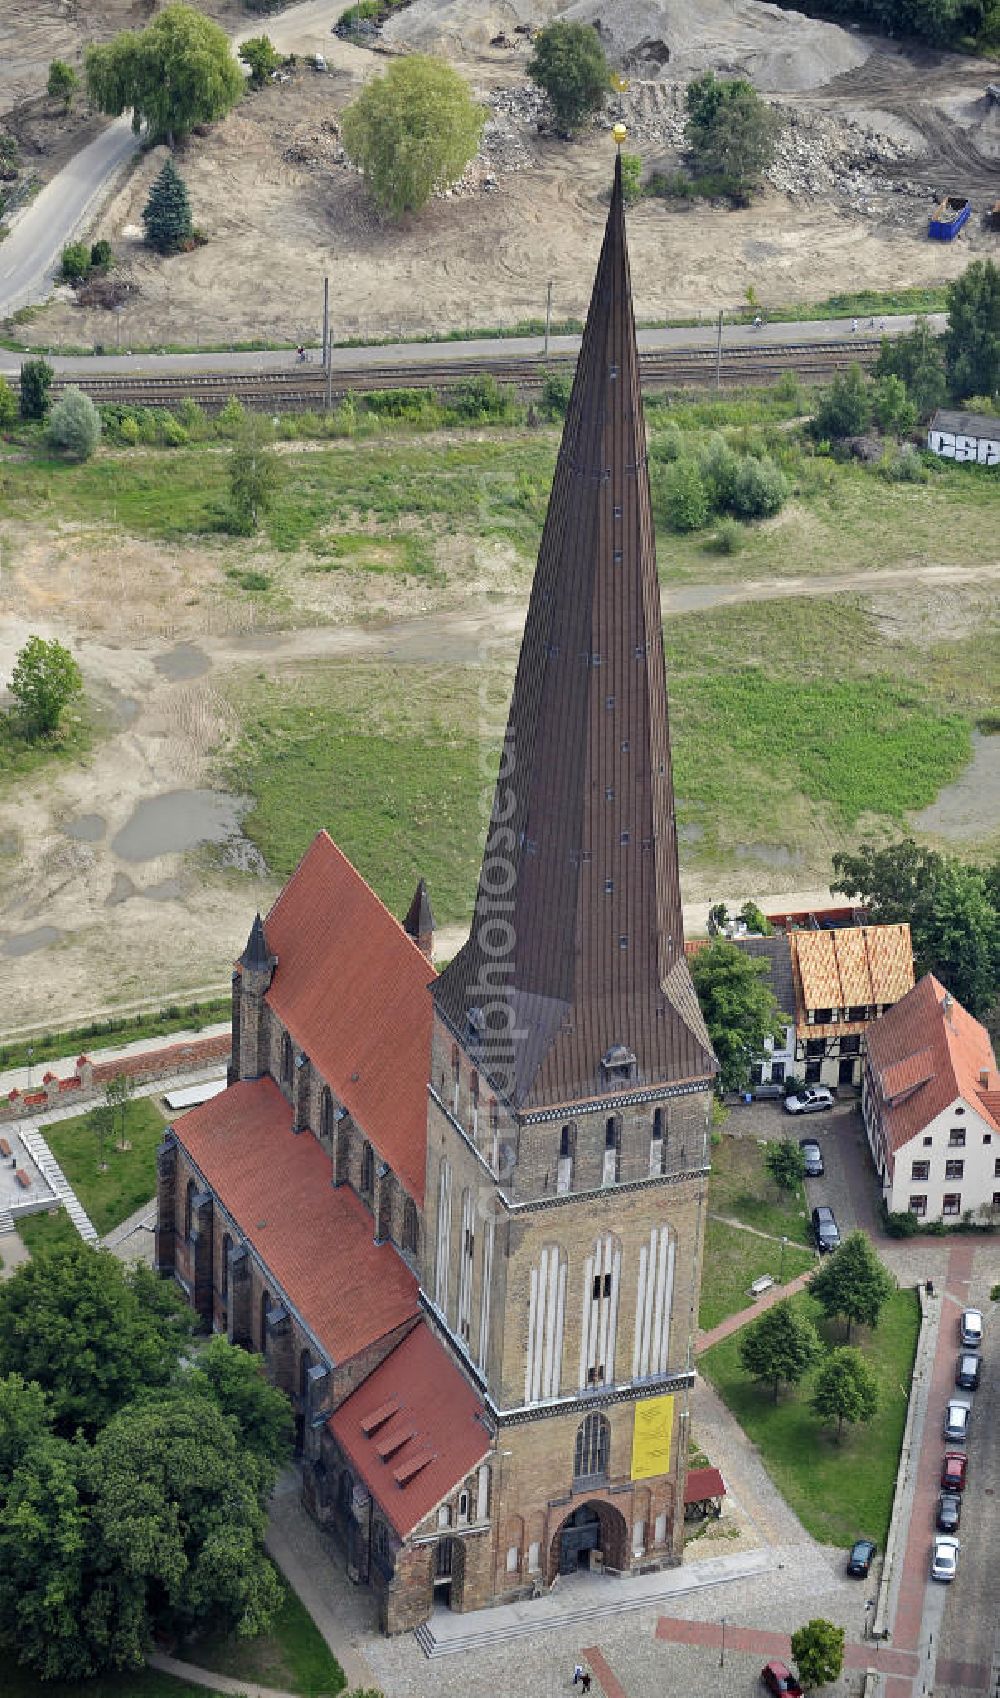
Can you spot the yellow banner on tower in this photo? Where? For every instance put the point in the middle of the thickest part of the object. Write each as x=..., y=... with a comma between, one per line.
x=651, y=1435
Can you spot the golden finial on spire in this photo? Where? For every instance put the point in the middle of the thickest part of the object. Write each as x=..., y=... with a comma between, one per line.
x=619, y=132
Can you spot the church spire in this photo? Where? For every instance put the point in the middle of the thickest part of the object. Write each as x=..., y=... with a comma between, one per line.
x=577, y=951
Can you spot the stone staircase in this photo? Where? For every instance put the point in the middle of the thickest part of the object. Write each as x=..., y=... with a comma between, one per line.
x=58, y=1184
x=6, y=1221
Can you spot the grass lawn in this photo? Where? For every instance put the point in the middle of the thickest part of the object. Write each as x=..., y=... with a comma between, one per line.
x=48, y=1232
x=142, y=1683
x=293, y=1657
x=839, y=1491
x=158, y=1023
x=742, y=1188
x=733, y=1260
x=130, y=1179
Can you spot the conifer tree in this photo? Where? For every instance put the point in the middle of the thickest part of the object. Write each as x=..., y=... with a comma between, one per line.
x=167, y=213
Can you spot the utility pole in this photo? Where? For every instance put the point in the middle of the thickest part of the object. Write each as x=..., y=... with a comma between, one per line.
x=548, y=316
x=328, y=361
x=718, y=355
x=327, y=374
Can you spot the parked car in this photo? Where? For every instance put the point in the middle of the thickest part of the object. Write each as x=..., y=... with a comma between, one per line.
x=825, y=1229
x=967, y=1370
x=954, y=1469
x=862, y=1555
x=970, y=1328
x=780, y=1680
x=809, y=1101
x=944, y=1562
x=957, y=1418
x=812, y=1155
x=949, y=1512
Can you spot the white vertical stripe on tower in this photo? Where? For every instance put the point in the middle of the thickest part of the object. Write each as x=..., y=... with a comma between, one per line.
x=484, y=1295
x=443, y=1237
x=668, y=1299
x=530, y=1360
x=647, y=1319
x=588, y=1320
x=615, y=1256
x=640, y=1308
x=556, y=1375
x=551, y=1305
x=661, y=1280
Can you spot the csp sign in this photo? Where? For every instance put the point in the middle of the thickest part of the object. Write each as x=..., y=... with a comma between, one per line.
x=651, y=1435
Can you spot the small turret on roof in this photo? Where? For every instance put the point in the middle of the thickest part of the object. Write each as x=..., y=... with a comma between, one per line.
x=257, y=957
x=419, y=921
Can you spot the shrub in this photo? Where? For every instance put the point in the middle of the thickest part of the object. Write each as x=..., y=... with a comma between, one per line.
x=760, y=490
x=411, y=132
x=631, y=178
x=684, y=500
x=192, y=417
x=479, y=400
x=172, y=432
x=568, y=63
x=231, y=419
x=63, y=82
x=728, y=537
x=845, y=408
x=719, y=468
x=101, y=256
x=901, y=1223
x=905, y=467
x=668, y=445
x=75, y=261
x=554, y=399
x=260, y=58
x=75, y=424
x=36, y=382
x=8, y=405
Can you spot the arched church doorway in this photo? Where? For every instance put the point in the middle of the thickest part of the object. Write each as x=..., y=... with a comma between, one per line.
x=591, y=1527
x=449, y=1572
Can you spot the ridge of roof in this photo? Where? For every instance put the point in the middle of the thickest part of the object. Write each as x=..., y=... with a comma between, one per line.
x=352, y=990
x=927, y=1050
x=583, y=828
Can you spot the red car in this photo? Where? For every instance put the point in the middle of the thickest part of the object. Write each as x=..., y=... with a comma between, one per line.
x=780, y=1680
x=953, y=1471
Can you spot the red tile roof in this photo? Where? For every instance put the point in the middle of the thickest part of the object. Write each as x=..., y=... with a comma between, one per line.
x=924, y=1053
x=703, y=1483
x=352, y=989
x=858, y=966
x=413, y=1430
x=315, y=1241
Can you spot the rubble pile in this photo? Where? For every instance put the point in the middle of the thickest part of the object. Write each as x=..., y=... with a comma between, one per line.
x=817, y=155
x=515, y=114
x=315, y=146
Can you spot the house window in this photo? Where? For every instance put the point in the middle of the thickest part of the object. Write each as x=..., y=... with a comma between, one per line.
x=474, y=1098
x=564, y=1166
x=326, y=1114
x=512, y=1556
x=227, y=1246
x=996, y=1201
x=463, y=1508
x=367, y=1170
x=996, y=1168
x=345, y=1492
x=952, y=1203
x=824, y=1016
x=814, y=1072
x=455, y=1077
x=954, y=1169
x=494, y=1133
x=593, y=1446
x=777, y=1073
x=657, y=1145
x=381, y=1549
x=956, y=1138
x=483, y=1493
x=815, y=1046
x=920, y=1170
x=857, y=1014
x=444, y=1515
x=443, y=1559
x=918, y=1206
x=850, y=1045
x=756, y=1074
x=466, y=1265
x=927, y=1142
x=987, y=1137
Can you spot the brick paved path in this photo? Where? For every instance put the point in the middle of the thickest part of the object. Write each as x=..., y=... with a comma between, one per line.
x=733, y=1323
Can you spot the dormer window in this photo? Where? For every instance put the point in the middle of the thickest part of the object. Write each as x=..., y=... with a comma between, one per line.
x=477, y=1025
x=618, y=1065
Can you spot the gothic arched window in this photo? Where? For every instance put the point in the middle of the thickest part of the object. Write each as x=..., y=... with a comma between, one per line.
x=593, y=1447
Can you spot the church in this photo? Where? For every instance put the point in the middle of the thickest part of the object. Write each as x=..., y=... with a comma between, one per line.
x=461, y=1216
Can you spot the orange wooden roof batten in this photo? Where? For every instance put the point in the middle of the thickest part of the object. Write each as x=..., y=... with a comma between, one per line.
x=277, y=1188
x=577, y=943
x=352, y=989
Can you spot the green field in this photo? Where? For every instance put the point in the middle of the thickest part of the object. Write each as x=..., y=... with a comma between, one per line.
x=130, y=1179
x=734, y=1258
x=293, y=1657
x=48, y=1232
x=839, y=1491
x=142, y=1683
x=126, y=1028
x=742, y=1189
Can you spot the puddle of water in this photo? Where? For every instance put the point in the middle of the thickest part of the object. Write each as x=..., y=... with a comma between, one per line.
x=26, y=943
x=120, y=891
x=184, y=660
x=969, y=808
x=10, y=843
x=772, y=854
x=86, y=828
x=175, y=821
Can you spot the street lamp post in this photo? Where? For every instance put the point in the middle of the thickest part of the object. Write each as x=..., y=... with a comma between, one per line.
x=781, y=1265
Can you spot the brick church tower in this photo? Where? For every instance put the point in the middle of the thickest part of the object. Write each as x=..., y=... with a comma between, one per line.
x=567, y=1143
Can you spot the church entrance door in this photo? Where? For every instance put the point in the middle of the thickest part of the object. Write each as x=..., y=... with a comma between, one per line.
x=578, y=1536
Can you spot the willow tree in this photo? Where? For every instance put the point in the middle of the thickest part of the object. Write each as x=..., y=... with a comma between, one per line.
x=176, y=73
x=411, y=132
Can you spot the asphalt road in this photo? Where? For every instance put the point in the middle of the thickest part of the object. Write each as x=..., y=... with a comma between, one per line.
x=970, y=1616
x=30, y=254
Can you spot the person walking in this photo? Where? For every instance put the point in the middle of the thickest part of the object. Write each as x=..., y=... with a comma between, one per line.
x=577, y=1674
x=585, y=1682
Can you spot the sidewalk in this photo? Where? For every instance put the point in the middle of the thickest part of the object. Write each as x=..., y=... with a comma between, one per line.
x=23, y=1078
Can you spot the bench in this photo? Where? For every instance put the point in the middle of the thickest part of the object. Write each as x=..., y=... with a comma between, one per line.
x=759, y=1286
x=5, y=1149
x=23, y=1179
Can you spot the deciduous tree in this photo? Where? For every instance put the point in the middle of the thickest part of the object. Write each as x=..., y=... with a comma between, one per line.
x=895, y=413
x=75, y=424
x=8, y=405
x=972, y=340
x=36, y=382
x=845, y=1389
x=411, y=132
x=782, y=1345
x=818, y=1649
x=261, y=1414
x=45, y=680
x=740, y=1010
x=118, y=1093
x=845, y=409
x=254, y=475
x=853, y=1283
x=63, y=82
x=24, y=1419
x=85, y=1328
x=786, y=1164
x=730, y=131
x=569, y=64
x=259, y=55
x=917, y=358
x=177, y=72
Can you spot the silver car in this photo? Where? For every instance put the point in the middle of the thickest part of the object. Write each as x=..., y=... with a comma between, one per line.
x=957, y=1418
x=809, y=1101
x=944, y=1562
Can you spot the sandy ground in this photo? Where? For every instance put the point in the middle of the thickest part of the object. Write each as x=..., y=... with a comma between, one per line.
x=83, y=926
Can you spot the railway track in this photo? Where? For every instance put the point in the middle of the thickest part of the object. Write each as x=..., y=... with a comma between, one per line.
x=303, y=388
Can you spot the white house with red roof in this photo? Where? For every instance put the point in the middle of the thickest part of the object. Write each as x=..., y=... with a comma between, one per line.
x=931, y=1106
